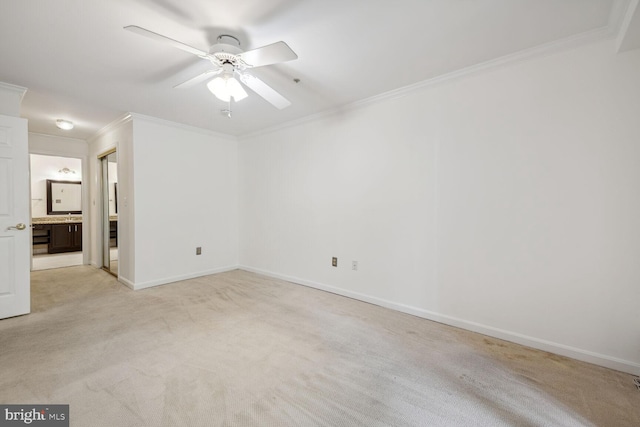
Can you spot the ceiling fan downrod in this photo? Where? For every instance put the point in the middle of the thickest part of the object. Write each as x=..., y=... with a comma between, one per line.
x=227, y=111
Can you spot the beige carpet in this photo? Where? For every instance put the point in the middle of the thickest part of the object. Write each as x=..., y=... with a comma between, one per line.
x=239, y=349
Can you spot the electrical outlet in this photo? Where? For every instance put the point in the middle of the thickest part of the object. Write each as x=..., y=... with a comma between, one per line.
x=334, y=262
x=354, y=265
x=198, y=250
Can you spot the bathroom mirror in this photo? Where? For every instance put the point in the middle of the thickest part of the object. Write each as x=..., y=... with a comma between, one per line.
x=64, y=197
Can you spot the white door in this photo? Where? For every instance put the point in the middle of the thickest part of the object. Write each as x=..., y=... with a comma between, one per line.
x=15, y=233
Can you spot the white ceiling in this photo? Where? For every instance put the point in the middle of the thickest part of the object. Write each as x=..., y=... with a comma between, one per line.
x=79, y=64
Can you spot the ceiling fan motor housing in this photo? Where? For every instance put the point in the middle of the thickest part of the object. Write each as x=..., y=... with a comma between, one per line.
x=227, y=44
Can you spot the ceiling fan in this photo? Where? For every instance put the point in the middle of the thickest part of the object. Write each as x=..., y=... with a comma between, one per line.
x=230, y=66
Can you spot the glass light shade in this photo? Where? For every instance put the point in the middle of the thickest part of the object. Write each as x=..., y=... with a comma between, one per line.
x=218, y=87
x=64, y=124
x=226, y=87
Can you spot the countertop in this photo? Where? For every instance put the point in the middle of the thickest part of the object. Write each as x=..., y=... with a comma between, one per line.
x=63, y=219
x=56, y=220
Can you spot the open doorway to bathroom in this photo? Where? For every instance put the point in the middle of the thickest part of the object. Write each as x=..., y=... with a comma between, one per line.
x=56, y=211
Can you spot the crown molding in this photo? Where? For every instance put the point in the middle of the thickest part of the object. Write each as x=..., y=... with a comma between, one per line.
x=57, y=136
x=14, y=88
x=628, y=27
x=125, y=118
x=620, y=11
x=11, y=99
x=540, y=51
x=182, y=126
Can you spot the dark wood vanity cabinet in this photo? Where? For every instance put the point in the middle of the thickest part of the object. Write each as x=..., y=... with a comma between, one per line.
x=41, y=234
x=65, y=238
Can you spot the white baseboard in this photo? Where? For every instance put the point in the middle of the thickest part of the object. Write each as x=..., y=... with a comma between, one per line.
x=540, y=344
x=166, y=280
x=128, y=283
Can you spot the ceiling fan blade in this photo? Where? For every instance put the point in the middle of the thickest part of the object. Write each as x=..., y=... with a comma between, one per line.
x=167, y=40
x=270, y=54
x=265, y=91
x=197, y=79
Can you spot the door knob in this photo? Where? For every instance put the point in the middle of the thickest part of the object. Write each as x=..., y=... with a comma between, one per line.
x=20, y=226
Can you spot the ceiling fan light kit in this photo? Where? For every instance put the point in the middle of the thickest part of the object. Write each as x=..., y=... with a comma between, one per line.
x=229, y=62
x=226, y=87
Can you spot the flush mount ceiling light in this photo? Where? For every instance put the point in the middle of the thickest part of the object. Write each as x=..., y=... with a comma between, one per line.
x=64, y=124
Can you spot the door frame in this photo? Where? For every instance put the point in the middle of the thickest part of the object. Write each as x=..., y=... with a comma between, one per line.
x=84, y=162
x=103, y=240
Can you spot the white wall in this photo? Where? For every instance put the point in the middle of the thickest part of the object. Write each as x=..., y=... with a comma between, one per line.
x=504, y=202
x=48, y=167
x=186, y=196
x=57, y=146
x=118, y=135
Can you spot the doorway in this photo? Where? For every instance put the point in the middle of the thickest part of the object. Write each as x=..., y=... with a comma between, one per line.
x=109, y=197
x=56, y=211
